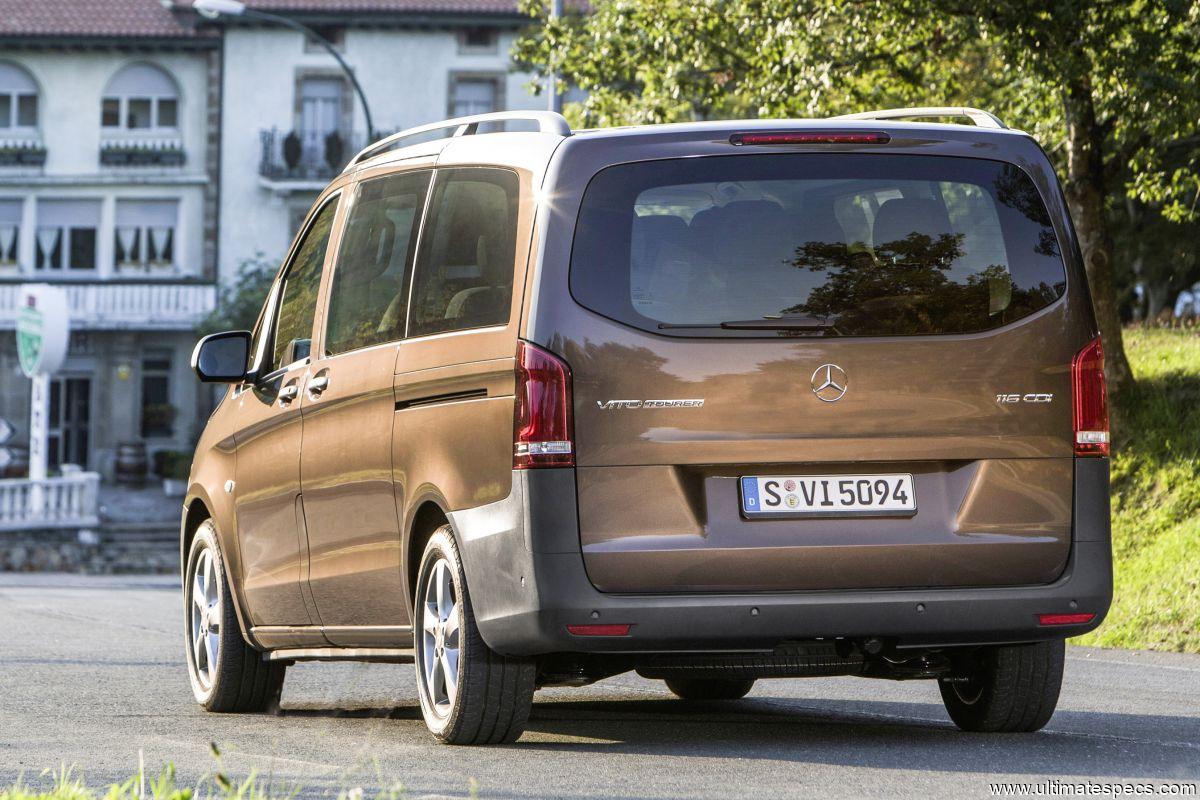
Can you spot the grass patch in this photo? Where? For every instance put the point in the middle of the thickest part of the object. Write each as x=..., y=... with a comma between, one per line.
x=1156, y=498
x=66, y=783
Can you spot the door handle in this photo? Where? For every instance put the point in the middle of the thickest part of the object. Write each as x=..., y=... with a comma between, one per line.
x=288, y=393
x=318, y=385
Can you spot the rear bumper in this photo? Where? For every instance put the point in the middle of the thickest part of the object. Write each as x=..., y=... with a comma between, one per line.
x=527, y=582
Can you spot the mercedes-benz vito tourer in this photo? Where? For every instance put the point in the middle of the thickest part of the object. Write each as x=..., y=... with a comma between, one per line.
x=713, y=402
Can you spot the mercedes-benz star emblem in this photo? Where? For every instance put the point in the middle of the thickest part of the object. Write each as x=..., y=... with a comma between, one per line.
x=829, y=383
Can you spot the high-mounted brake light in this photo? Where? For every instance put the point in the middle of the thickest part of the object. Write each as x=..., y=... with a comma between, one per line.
x=1089, y=401
x=542, y=425
x=810, y=137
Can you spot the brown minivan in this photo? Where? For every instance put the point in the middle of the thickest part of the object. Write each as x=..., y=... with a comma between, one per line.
x=714, y=402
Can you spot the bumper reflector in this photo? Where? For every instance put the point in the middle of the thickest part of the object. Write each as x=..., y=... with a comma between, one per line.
x=1065, y=619
x=598, y=630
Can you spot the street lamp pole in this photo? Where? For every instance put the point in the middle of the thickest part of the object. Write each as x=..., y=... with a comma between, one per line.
x=556, y=100
x=233, y=8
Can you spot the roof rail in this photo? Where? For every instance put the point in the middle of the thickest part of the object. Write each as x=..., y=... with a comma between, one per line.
x=981, y=118
x=547, y=121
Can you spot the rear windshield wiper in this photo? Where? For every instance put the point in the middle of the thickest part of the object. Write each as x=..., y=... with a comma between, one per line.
x=779, y=323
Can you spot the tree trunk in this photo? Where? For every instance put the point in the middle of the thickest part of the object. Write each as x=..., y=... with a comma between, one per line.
x=1086, y=194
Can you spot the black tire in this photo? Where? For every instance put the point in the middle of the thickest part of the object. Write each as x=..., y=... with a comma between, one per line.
x=493, y=694
x=710, y=688
x=1009, y=689
x=239, y=680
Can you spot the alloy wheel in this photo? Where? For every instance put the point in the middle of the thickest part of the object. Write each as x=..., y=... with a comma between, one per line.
x=204, y=630
x=440, y=641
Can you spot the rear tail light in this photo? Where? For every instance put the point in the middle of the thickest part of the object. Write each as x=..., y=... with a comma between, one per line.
x=542, y=425
x=810, y=137
x=1089, y=399
x=598, y=630
x=1065, y=619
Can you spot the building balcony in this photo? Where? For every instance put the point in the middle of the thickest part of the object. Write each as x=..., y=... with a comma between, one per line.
x=304, y=160
x=120, y=304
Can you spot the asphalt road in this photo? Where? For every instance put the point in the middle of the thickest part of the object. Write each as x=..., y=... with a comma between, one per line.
x=91, y=672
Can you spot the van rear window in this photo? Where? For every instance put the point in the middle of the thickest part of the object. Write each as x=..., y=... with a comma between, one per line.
x=807, y=244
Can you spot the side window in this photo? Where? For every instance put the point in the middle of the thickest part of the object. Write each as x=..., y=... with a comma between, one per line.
x=464, y=272
x=298, y=299
x=368, y=302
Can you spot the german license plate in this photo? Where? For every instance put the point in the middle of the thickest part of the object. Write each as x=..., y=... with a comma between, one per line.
x=828, y=496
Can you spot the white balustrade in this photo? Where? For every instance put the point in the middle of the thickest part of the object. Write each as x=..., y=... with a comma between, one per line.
x=116, y=306
x=70, y=501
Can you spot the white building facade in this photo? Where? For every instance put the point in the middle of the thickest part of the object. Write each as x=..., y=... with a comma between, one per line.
x=108, y=167
x=290, y=118
x=146, y=152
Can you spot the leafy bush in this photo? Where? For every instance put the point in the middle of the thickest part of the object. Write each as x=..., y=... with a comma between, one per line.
x=174, y=464
x=240, y=301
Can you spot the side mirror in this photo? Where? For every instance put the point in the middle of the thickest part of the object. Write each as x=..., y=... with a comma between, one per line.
x=222, y=357
x=296, y=350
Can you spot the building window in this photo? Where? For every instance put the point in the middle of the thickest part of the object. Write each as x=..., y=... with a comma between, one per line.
x=334, y=35
x=477, y=41
x=158, y=415
x=323, y=140
x=80, y=343
x=145, y=235
x=66, y=235
x=473, y=95
x=141, y=97
x=10, y=232
x=18, y=99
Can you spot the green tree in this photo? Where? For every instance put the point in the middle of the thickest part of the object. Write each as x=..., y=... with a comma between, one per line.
x=1109, y=88
x=239, y=302
x=1160, y=254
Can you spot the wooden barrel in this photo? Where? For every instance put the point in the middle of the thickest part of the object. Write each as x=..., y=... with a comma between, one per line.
x=131, y=463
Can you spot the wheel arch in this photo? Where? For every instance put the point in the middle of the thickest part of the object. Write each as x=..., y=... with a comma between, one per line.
x=196, y=509
x=429, y=512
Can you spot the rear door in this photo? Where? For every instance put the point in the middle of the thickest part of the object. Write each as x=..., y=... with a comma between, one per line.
x=825, y=323
x=452, y=441
x=346, y=464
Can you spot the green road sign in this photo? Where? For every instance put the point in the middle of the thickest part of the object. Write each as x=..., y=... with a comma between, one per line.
x=43, y=328
x=29, y=339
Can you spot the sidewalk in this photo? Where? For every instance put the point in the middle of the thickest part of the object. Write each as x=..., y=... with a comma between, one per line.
x=141, y=506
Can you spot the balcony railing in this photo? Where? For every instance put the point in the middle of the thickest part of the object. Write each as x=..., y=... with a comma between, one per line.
x=71, y=501
x=23, y=151
x=306, y=155
x=123, y=305
x=142, y=152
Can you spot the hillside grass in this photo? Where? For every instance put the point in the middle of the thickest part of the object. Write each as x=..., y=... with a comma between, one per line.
x=1156, y=498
